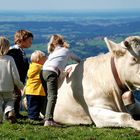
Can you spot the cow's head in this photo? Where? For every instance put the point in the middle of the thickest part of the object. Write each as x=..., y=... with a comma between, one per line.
x=132, y=44
x=127, y=59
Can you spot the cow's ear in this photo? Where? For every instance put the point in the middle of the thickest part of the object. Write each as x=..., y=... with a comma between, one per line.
x=114, y=48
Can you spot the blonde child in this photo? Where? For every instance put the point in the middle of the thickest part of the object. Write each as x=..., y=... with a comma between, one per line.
x=34, y=90
x=52, y=68
x=9, y=78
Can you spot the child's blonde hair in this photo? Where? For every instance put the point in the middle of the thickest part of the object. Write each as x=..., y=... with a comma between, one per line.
x=4, y=45
x=37, y=55
x=56, y=40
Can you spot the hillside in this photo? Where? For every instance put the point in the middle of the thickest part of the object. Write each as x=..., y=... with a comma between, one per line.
x=84, y=31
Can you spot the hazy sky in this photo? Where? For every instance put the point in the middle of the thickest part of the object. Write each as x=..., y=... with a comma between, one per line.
x=68, y=4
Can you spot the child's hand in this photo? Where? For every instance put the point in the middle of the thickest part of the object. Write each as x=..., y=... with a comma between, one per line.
x=23, y=91
x=68, y=71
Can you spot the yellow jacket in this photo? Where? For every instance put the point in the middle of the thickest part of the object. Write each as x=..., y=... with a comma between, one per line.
x=33, y=84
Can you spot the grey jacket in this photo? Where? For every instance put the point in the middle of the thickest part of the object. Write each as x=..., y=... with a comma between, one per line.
x=9, y=76
x=59, y=58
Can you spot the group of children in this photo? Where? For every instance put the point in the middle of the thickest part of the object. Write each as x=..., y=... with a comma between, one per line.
x=37, y=78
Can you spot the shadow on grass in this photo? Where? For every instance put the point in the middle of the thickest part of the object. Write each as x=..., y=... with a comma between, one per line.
x=41, y=123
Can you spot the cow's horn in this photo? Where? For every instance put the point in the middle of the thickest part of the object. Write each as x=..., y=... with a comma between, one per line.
x=126, y=44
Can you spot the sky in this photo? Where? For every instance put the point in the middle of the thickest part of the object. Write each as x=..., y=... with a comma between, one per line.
x=27, y=5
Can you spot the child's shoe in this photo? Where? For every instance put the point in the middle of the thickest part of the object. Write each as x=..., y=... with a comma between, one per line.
x=52, y=123
x=11, y=117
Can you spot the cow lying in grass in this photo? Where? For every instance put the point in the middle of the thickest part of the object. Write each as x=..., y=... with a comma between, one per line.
x=94, y=89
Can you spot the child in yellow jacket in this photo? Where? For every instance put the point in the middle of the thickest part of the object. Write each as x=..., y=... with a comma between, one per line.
x=34, y=91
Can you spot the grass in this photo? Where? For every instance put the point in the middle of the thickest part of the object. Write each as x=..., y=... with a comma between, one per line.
x=23, y=130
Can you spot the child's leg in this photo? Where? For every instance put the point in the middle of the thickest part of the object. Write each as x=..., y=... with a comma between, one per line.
x=43, y=105
x=1, y=108
x=17, y=96
x=33, y=106
x=9, y=107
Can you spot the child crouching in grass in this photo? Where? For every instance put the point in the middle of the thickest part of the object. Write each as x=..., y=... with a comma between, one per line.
x=34, y=91
x=9, y=78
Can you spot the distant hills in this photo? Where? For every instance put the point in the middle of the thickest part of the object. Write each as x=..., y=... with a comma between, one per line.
x=83, y=30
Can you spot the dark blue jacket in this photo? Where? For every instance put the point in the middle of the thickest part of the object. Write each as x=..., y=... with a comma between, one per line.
x=21, y=61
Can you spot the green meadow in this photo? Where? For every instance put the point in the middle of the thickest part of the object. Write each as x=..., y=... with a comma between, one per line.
x=24, y=130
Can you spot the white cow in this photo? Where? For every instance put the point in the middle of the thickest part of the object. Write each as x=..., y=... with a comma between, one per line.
x=93, y=93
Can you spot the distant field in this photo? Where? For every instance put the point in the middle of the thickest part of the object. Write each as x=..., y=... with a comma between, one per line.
x=83, y=30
